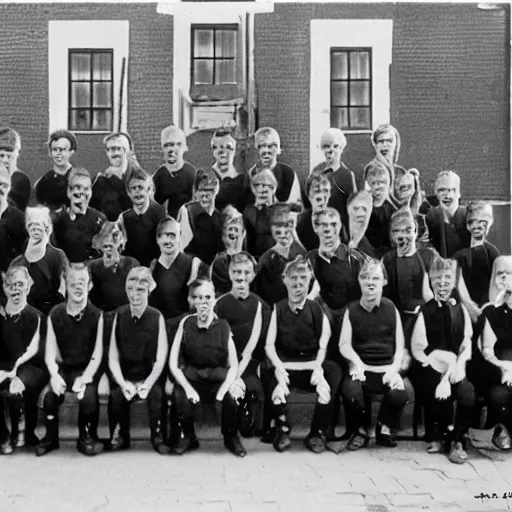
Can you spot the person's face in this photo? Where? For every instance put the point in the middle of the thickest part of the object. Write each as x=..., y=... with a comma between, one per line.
x=405, y=189
x=297, y=284
x=331, y=148
x=371, y=282
x=61, y=152
x=79, y=193
x=386, y=143
x=443, y=283
x=268, y=148
x=319, y=194
x=205, y=194
x=16, y=287
x=77, y=285
x=503, y=279
x=232, y=234
x=7, y=158
x=263, y=192
x=138, y=190
x=358, y=211
x=282, y=233
x=241, y=276
x=403, y=234
x=379, y=186
x=328, y=230
x=223, y=149
x=110, y=248
x=478, y=225
x=169, y=239
x=36, y=231
x=203, y=299
x=174, y=147
x=448, y=192
x=137, y=290
x=117, y=151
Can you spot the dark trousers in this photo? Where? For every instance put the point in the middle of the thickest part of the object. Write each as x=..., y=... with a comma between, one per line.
x=356, y=407
x=322, y=415
x=439, y=413
x=207, y=391
x=253, y=386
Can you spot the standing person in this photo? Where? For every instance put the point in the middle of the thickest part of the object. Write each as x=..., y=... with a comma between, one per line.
x=386, y=143
x=22, y=374
x=73, y=353
x=204, y=364
x=45, y=263
x=51, y=189
x=441, y=348
x=141, y=220
x=332, y=143
x=137, y=356
x=296, y=346
x=75, y=227
x=200, y=221
x=10, y=146
x=447, y=222
x=232, y=184
x=109, y=194
x=372, y=342
x=174, y=180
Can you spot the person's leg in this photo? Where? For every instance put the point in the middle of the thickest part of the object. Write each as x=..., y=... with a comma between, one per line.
x=253, y=392
x=268, y=383
x=281, y=440
x=229, y=427
x=118, y=419
x=5, y=440
x=186, y=416
x=155, y=402
x=499, y=408
x=352, y=393
x=87, y=421
x=464, y=393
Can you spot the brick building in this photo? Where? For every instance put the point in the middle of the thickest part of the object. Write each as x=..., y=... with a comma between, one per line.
x=439, y=72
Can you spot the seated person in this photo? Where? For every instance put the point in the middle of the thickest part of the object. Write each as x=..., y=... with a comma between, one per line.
x=296, y=346
x=441, y=348
x=256, y=216
x=268, y=283
x=173, y=271
x=447, y=222
x=200, y=221
x=233, y=238
x=359, y=210
x=140, y=221
x=73, y=353
x=75, y=226
x=377, y=233
x=248, y=317
x=109, y=194
x=232, y=184
x=22, y=373
x=318, y=189
x=268, y=147
x=372, y=342
x=137, y=356
x=45, y=263
x=204, y=364
x=174, y=180
x=332, y=143
x=51, y=189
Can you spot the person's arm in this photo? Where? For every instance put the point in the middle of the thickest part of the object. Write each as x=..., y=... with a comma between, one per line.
x=419, y=341
x=354, y=184
x=51, y=354
x=345, y=343
x=186, y=229
x=295, y=195
x=113, y=357
x=174, y=359
x=399, y=345
x=161, y=355
x=488, y=341
x=194, y=271
x=31, y=350
x=466, y=300
x=270, y=343
x=253, y=341
x=97, y=355
x=324, y=340
x=233, y=369
x=158, y=192
x=427, y=292
x=465, y=348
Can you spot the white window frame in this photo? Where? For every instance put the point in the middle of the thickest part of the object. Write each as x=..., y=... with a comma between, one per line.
x=65, y=35
x=327, y=34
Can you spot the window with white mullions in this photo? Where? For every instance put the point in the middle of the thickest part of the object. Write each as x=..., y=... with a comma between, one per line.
x=351, y=88
x=90, y=89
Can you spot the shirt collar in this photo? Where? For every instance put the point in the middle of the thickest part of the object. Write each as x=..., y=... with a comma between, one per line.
x=340, y=252
x=477, y=243
x=206, y=326
x=144, y=210
x=297, y=308
x=137, y=315
x=74, y=314
x=368, y=308
x=230, y=173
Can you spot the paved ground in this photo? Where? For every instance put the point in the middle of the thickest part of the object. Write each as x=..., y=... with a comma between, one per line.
x=405, y=479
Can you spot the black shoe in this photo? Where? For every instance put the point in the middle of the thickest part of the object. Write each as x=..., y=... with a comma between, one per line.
x=157, y=442
x=357, y=441
x=118, y=440
x=269, y=435
x=234, y=444
x=31, y=439
x=88, y=446
x=316, y=442
x=387, y=440
x=246, y=417
x=185, y=444
x=6, y=447
x=48, y=444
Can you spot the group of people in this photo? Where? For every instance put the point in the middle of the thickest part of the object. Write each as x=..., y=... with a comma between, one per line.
x=219, y=286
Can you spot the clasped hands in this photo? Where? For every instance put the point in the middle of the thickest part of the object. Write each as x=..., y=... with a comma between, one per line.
x=132, y=389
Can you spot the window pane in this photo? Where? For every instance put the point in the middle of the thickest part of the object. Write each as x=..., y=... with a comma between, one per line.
x=339, y=65
x=360, y=118
x=225, y=72
x=359, y=65
x=203, y=43
x=339, y=93
x=339, y=117
x=80, y=120
x=360, y=93
x=102, y=120
x=80, y=66
x=102, y=66
x=101, y=94
x=203, y=71
x=80, y=94
x=225, y=43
